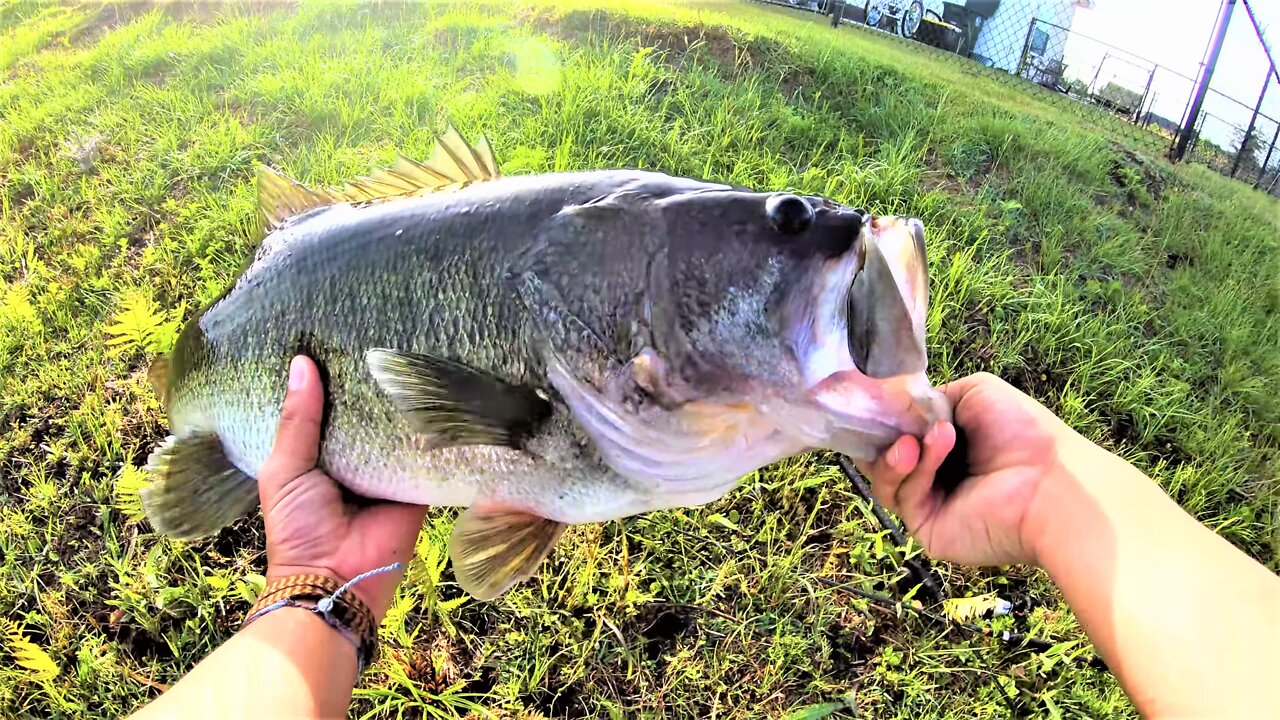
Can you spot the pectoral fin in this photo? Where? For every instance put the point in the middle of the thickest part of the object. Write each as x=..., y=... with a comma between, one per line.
x=459, y=404
x=158, y=376
x=495, y=549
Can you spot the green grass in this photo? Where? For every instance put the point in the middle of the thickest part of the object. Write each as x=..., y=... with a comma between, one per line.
x=1141, y=301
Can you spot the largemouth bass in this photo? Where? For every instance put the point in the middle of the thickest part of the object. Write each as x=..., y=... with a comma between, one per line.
x=546, y=349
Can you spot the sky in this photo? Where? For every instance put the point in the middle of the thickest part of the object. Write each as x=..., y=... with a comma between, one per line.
x=1175, y=35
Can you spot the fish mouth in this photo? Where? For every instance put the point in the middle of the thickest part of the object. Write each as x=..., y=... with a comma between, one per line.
x=864, y=360
x=868, y=414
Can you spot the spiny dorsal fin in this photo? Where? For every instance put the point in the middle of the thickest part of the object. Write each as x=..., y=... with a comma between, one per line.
x=454, y=164
x=281, y=197
x=454, y=156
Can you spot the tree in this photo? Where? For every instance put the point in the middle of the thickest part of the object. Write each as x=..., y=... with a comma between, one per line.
x=1252, y=150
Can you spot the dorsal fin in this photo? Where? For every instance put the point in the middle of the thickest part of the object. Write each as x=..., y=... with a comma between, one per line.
x=454, y=163
x=281, y=197
x=455, y=157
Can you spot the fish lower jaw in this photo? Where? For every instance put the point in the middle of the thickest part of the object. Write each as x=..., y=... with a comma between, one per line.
x=868, y=414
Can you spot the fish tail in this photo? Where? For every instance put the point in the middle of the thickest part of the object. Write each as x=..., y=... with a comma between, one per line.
x=197, y=490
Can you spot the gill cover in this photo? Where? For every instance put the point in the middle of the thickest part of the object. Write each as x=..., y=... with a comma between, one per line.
x=889, y=299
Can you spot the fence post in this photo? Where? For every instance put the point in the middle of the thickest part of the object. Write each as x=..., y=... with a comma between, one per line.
x=1263, y=172
x=1137, y=114
x=1026, y=47
x=1098, y=71
x=1253, y=121
x=1195, y=132
x=1202, y=87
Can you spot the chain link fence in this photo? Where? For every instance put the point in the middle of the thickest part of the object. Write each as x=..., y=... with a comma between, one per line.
x=1237, y=129
x=1033, y=44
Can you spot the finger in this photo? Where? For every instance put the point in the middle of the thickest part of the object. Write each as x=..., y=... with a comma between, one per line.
x=297, y=444
x=957, y=389
x=915, y=497
x=891, y=468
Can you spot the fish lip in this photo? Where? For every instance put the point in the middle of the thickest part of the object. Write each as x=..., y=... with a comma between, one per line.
x=845, y=308
x=917, y=230
x=868, y=414
x=819, y=330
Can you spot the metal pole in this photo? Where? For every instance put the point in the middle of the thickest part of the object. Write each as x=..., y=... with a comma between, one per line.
x=1253, y=121
x=1197, y=102
x=1263, y=172
x=1026, y=48
x=1173, y=142
x=1196, y=130
x=1137, y=114
x=1098, y=72
x=1261, y=39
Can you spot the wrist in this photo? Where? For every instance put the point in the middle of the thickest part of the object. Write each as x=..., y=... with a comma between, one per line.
x=366, y=591
x=301, y=617
x=328, y=600
x=1052, y=520
x=376, y=590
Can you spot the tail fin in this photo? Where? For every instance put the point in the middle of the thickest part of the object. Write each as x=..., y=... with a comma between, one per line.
x=197, y=491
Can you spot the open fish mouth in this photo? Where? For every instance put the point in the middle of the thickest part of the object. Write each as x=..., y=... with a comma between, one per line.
x=863, y=355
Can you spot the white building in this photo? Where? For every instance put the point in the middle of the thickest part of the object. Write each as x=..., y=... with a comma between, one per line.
x=1004, y=35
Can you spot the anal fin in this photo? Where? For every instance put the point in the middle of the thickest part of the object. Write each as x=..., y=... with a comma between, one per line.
x=495, y=549
x=197, y=491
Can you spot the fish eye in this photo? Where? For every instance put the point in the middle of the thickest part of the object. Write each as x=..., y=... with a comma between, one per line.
x=789, y=214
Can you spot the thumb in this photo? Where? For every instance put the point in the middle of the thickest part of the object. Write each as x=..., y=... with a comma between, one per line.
x=297, y=445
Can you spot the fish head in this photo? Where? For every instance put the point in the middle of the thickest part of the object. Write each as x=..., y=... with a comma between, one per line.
x=814, y=311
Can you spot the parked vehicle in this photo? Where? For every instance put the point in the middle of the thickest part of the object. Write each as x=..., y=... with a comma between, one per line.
x=901, y=16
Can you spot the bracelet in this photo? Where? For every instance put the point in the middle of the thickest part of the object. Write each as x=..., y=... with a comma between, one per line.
x=326, y=598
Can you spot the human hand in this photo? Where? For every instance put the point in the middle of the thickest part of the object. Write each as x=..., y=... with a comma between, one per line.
x=310, y=530
x=1016, y=447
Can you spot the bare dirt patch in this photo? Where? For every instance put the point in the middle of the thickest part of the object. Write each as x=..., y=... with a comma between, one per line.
x=677, y=45
x=111, y=15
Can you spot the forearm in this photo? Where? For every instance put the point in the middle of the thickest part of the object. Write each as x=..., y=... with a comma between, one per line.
x=1189, y=624
x=287, y=663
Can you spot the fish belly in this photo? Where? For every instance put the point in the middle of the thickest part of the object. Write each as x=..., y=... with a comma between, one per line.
x=488, y=476
x=561, y=483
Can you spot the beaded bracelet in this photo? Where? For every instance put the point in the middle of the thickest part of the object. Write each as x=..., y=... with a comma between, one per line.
x=325, y=597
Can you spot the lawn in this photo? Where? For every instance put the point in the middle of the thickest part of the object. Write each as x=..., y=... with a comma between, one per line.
x=1139, y=300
